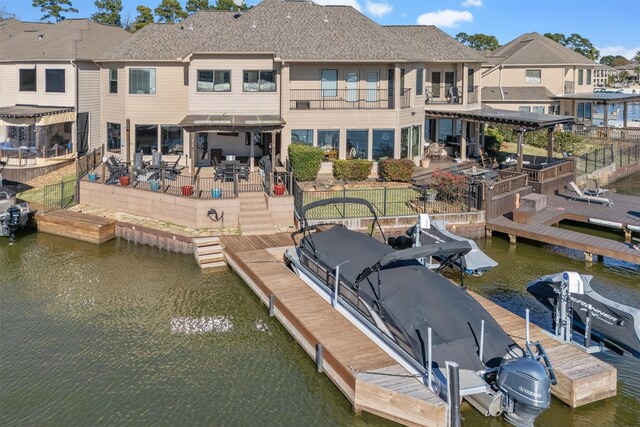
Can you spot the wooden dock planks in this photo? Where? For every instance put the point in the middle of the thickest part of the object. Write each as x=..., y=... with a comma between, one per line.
x=582, y=378
x=351, y=360
x=76, y=225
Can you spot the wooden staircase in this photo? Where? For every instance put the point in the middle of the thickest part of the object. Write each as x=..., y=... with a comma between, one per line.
x=254, y=215
x=208, y=252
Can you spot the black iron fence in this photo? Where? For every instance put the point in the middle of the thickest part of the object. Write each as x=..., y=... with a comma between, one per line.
x=390, y=201
x=88, y=162
x=596, y=159
x=332, y=99
x=629, y=155
x=59, y=196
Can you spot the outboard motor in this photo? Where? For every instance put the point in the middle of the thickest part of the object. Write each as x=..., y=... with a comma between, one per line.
x=12, y=220
x=526, y=389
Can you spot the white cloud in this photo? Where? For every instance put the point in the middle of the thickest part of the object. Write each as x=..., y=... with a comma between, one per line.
x=378, y=9
x=627, y=52
x=472, y=3
x=445, y=18
x=353, y=3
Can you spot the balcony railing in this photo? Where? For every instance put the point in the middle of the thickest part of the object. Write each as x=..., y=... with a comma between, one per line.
x=340, y=99
x=448, y=94
x=405, y=98
x=569, y=87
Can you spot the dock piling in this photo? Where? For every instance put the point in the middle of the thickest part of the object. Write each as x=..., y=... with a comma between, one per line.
x=272, y=305
x=453, y=392
x=319, y=362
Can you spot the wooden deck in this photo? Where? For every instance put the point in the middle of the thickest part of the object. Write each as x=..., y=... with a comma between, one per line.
x=365, y=374
x=626, y=211
x=76, y=225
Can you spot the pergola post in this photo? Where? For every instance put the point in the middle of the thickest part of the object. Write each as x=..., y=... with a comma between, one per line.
x=606, y=121
x=550, y=142
x=192, y=150
x=520, y=134
x=625, y=106
x=273, y=152
x=251, y=150
x=463, y=142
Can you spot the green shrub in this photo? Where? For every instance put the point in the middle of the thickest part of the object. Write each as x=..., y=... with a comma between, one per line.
x=305, y=161
x=567, y=142
x=352, y=170
x=492, y=143
x=537, y=138
x=399, y=170
x=502, y=133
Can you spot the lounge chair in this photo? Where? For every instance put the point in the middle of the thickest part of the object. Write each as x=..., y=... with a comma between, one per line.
x=581, y=195
x=116, y=169
x=593, y=188
x=433, y=150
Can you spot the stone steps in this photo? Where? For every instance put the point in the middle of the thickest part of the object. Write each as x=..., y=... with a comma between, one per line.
x=254, y=216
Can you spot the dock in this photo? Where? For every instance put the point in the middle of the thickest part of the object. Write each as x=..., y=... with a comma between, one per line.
x=76, y=225
x=370, y=379
x=538, y=225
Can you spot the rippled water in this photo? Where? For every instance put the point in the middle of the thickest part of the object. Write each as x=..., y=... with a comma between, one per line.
x=129, y=335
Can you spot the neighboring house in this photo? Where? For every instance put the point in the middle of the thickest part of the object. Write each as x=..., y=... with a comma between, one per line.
x=50, y=86
x=224, y=83
x=631, y=68
x=526, y=73
x=601, y=75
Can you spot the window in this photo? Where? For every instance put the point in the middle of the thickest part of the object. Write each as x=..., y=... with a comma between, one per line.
x=259, y=81
x=533, y=76
x=171, y=139
x=382, y=146
x=524, y=109
x=54, y=80
x=142, y=81
x=329, y=82
x=588, y=77
x=329, y=140
x=435, y=84
x=146, y=138
x=113, y=80
x=302, y=136
x=419, y=81
x=28, y=80
x=470, y=82
x=538, y=110
x=584, y=111
x=580, y=77
x=113, y=137
x=214, y=81
x=357, y=144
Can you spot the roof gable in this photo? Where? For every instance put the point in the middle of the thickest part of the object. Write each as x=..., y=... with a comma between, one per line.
x=536, y=49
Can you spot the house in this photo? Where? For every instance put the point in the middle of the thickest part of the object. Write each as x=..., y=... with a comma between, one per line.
x=50, y=86
x=601, y=75
x=529, y=71
x=229, y=83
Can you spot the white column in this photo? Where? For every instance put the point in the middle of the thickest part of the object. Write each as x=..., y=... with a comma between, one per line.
x=463, y=142
x=251, y=150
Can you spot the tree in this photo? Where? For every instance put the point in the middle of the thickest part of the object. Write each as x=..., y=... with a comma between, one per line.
x=54, y=8
x=478, y=41
x=4, y=13
x=614, y=61
x=557, y=37
x=228, y=5
x=637, y=57
x=108, y=12
x=623, y=76
x=145, y=17
x=170, y=11
x=194, y=6
x=577, y=43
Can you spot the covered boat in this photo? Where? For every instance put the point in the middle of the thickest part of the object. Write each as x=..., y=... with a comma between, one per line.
x=420, y=318
x=602, y=319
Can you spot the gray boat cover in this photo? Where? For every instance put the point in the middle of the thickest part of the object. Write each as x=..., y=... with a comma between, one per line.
x=412, y=298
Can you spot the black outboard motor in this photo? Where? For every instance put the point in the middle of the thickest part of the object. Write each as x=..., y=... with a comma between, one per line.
x=12, y=220
x=526, y=389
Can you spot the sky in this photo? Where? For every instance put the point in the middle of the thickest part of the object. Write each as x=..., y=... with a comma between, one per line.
x=611, y=25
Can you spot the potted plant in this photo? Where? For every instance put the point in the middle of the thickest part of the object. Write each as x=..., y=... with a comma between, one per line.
x=125, y=180
x=424, y=162
x=278, y=189
x=431, y=194
x=155, y=185
x=92, y=176
x=187, y=190
x=216, y=193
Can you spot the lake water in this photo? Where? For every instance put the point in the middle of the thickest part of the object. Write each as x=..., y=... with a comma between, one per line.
x=130, y=335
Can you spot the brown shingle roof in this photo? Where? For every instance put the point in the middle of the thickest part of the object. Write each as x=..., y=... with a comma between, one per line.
x=291, y=30
x=536, y=49
x=516, y=93
x=78, y=39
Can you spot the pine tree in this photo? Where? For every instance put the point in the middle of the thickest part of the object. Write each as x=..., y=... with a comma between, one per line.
x=54, y=9
x=170, y=11
x=108, y=12
x=145, y=17
x=194, y=6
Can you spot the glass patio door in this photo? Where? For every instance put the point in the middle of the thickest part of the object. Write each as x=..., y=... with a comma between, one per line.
x=352, y=86
x=372, y=86
x=202, y=149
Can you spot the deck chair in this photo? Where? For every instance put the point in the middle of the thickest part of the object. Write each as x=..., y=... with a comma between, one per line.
x=581, y=195
x=453, y=95
x=116, y=169
x=434, y=150
x=488, y=162
x=243, y=172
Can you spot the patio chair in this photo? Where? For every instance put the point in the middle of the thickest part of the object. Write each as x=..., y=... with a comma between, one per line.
x=488, y=162
x=243, y=172
x=453, y=95
x=173, y=170
x=455, y=171
x=229, y=172
x=116, y=169
x=580, y=195
x=433, y=150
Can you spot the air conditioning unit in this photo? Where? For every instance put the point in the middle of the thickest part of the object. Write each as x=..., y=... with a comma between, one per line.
x=303, y=105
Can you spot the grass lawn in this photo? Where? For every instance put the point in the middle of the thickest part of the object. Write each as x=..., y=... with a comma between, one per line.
x=36, y=195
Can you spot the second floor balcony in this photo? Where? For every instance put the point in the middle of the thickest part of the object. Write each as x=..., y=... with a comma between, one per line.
x=569, y=88
x=341, y=99
x=449, y=94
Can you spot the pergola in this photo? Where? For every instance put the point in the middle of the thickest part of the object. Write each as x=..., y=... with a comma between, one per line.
x=234, y=123
x=606, y=99
x=519, y=120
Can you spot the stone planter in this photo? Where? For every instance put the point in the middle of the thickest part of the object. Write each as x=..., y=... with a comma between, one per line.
x=425, y=163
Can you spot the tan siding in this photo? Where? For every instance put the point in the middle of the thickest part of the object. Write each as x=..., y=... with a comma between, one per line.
x=41, y=97
x=89, y=100
x=237, y=101
x=8, y=85
x=307, y=76
x=113, y=105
